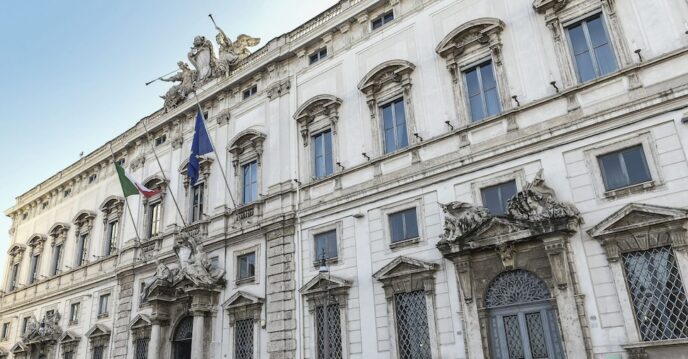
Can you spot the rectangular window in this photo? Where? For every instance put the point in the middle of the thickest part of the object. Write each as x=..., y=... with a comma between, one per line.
x=250, y=176
x=92, y=178
x=160, y=140
x=81, y=250
x=154, y=219
x=495, y=197
x=382, y=20
x=624, y=168
x=591, y=48
x=247, y=266
x=57, y=254
x=483, y=96
x=103, y=304
x=74, y=313
x=67, y=192
x=45, y=204
x=197, y=205
x=141, y=348
x=250, y=91
x=326, y=245
x=33, y=274
x=403, y=225
x=68, y=355
x=394, y=125
x=329, y=332
x=317, y=56
x=13, y=277
x=5, y=331
x=98, y=352
x=25, y=324
x=322, y=154
x=49, y=313
x=110, y=238
x=413, y=333
x=142, y=293
x=657, y=293
x=243, y=339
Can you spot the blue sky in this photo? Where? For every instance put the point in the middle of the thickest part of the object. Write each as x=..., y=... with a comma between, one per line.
x=72, y=73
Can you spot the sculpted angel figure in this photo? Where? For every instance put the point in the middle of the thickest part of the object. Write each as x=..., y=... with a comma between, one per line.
x=203, y=59
x=178, y=93
x=232, y=52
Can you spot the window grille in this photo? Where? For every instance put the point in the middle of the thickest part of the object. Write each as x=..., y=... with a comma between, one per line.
x=243, y=339
x=68, y=355
x=657, y=293
x=536, y=335
x=329, y=332
x=513, y=337
x=98, y=352
x=413, y=333
x=184, y=330
x=141, y=349
x=515, y=287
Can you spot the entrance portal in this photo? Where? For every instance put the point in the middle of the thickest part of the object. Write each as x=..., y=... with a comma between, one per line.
x=181, y=344
x=523, y=324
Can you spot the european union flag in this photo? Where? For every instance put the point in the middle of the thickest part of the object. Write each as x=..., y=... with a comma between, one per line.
x=201, y=145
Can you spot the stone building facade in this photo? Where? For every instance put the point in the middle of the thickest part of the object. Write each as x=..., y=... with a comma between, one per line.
x=404, y=179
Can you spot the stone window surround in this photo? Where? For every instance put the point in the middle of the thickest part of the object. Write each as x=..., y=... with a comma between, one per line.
x=69, y=343
x=316, y=115
x=147, y=203
x=96, y=302
x=16, y=253
x=83, y=225
x=113, y=209
x=392, y=5
x=387, y=210
x=385, y=83
x=203, y=176
x=624, y=240
x=9, y=330
x=644, y=138
x=305, y=53
x=256, y=275
x=140, y=328
x=515, y=174
x=317, y=297
x=99, y=336
x=36, y=243
x=68, y=313
x=250, y=308
x=469, y=45
x=246, y=147
x=422, y=278
x=312, y=232
x=559, y=14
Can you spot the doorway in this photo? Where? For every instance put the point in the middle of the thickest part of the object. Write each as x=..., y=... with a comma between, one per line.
x=181, y=341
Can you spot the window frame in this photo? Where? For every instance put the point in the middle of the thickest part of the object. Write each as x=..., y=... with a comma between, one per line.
x=14, y=275
x=34, y=268
x=5, y=331
x=112, y=230
x=255, y=279
x=254, y=181
x=81, y=257
x=200, y=206
x=392, y=104
x=314, y=149
x=386, y=211
x=249, y=92
x=478, y=68
x=74, y=313
x=318, y=55
x=403, y=215
x=381, y=17
x=312, y=233
x=106, y=313
x=619, y=154
x=593, y=57
x=498, y=185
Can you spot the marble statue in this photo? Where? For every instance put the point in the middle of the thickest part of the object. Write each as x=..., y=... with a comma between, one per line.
x=194, y=264
x=202, y=57
x=177, y=93
x=45, y=330
x=461, y=218
x=537, y=202
x=232, y=51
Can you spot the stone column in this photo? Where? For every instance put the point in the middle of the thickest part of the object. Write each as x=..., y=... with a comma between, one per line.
x=198, y=335
x=154, y=342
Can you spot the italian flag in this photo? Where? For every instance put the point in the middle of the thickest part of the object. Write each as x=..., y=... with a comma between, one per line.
x=130, y=186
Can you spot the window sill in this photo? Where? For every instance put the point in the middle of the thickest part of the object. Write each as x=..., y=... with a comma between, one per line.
x=404, y=243
x=73, y=322
x=655, y=344
x=628, y=190
x=103, y=315
x=329, y=261
x=245, y=281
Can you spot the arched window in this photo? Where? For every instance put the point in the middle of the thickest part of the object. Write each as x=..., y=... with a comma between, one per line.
x=153, y=207
x=317, y=120
x=182, y=338
x=112, y=209
x=515, y=287
x=83, y=223
x=246, y=150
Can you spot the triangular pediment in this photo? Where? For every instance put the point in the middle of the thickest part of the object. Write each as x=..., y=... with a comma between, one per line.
x=498, y=227
x=98, y=330
x=69, y=336
x=323, y=282
x=241, y=299
x=404, y=266
x=19, y=348
x=140, y=321
x=637, y=215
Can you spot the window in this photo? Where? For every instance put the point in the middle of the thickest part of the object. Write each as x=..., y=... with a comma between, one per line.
x=483, y=97
x=81, y=250
x=44, y=205
x=25, y=216
x=403, y=225
x=329, y=332
x=13, y=277
x=247, y=266
x=67, y=192
x=98, y=352
x=57, y=254
x=142, y=292
x=74, y=313
x=495, y=197
x=656, y=290
x=250, y=91
x=197, y=202
x=413, y=333
x=322, y=153
x=69, y=355
x=49, y=313
x=154, y=219
x=317, y=56
x=394, y=125
x=160, y=140
x=5, y=331
x=92, y=178
x=141, y=348
x=103, y=305
x=382, y=20
x=33, y=274
x=250, y=176
x=243, y=339
x=25, y=324
x=110, y=238
x=121, y=162
x=326, y=245
x=592, y=51
x=624, y=168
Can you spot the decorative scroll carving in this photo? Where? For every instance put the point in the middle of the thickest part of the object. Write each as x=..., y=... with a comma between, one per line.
x=45, y=331
x=321, y=105
x=461, y=218
x=194, y=264
x=537, y=202
x=278, y=89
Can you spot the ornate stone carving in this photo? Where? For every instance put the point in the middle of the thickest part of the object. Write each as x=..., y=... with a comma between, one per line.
x=461, y=218
x=537, y=202
x=47, y=330
x=231, y=52
x=177, y=93
x=321, y=105
x=279, y=88
x=194, y=264
x=506, y=254
x=203, y=59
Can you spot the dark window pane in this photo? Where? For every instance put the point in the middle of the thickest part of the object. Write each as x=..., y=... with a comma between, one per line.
x=326, y=243
x=492, y=102
x=578, y=42
x=495, y=198
x=598, y=36
x=328, y=152
x=605, y=59
x=377, y=23
x=247, y=265
x=396, y=226
x=410, y=223
x=586, y=70
x=472, y=82
x=636, y=166
x=612, y=172
x=400, y=118
x=476, y=105
x=624, y=168
x=487, y=76
x=403, y=225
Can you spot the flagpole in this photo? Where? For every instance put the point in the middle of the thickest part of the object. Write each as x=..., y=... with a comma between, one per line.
x=163, y=173
x=224, y=176
x=126, y=201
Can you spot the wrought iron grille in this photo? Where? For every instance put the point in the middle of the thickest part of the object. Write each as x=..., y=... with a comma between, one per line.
x=329, y=333
x=536, y=335
x=413, y=334
x=68, y=355
x=657, y=293
x=141, y=349
x=515, y=287
x=98, y=352
x=513, y=337
x=184, y=330
x=243, y=339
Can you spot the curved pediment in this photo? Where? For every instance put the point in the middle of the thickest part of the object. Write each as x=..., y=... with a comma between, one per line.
x=317, y=105
x=385, y=72
x=16, y=249
x=541, y=6
x=250, y=135
x=83, y=215
x=111, y=202
x=36, y=240
x=58, y=228
x=477, y=30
